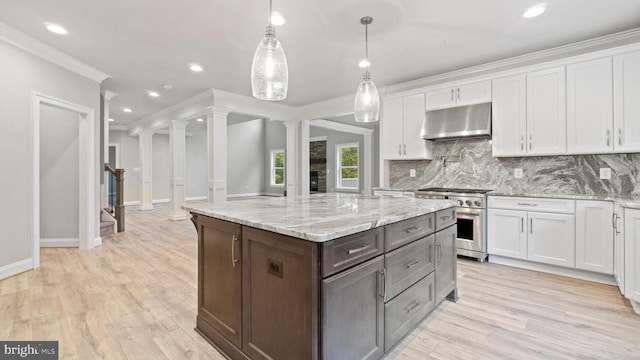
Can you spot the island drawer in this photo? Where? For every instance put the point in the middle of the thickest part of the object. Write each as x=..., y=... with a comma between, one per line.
x=405, y=311
x=409, y=264
x=445, y=218
x=409, y=230
x=342, y=253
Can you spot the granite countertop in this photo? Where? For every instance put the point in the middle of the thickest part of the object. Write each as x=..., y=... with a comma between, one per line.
x=319, y=217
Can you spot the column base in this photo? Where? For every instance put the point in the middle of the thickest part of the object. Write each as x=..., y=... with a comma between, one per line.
x=636, y=306
x=178, y=216
x=146, y=207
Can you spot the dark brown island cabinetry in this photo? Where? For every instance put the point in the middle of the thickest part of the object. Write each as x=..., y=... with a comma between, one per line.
x=263, y=295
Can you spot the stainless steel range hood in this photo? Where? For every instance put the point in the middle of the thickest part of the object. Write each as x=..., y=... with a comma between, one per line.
x=459, y=122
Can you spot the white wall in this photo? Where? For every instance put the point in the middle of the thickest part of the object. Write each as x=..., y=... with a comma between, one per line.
x=196, y=165
x=275, y=136
x=59, y=173
x=21, y=73
x=245, y=149
x=129, y=161
x=161, y=167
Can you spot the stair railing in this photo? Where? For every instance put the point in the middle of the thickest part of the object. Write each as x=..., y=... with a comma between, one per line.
x=115, y=181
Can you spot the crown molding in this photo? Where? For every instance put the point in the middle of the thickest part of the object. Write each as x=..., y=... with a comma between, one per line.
x=557, y=53
x=332, y=125
x=40, y=49
x=248, y=105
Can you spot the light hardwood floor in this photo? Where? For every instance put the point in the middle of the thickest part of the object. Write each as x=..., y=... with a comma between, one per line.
x=135, y=298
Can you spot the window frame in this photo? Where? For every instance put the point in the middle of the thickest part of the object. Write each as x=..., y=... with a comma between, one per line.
x=273, y=168
x=339, y=166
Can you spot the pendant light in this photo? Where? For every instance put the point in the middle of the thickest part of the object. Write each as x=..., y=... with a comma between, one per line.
x=367, y=102
x=269, y=71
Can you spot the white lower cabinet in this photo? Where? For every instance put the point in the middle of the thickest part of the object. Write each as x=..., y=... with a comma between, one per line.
x=618, y=247
x=508, y=233
x=632, y=255
x=551, y=239
x=594, y=236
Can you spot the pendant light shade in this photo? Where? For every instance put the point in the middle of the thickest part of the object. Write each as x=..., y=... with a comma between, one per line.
x=367, y=101
x=269, y=71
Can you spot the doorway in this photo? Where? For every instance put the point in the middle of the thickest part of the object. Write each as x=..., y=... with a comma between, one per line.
x=75, y=163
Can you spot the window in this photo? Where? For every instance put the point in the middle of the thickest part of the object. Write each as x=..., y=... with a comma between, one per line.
x=277, y=167
x=347, y=163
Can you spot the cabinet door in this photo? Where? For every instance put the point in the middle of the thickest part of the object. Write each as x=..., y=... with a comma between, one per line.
x=446, y=257
x=474, y=93
x=440, y=99
x=507, y=233
x=392, y=131
x=594, y=236
x=626, y=92
x=414, y=147
x=632, y=254
x=552, y=239
x=546, y=112
x=618, y=248
x=509, y=116
x=275, y=325
x=590, y=107
x=220, y=277
x=353, y=313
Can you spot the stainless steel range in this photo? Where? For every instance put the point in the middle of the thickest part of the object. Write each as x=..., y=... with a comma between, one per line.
x=471, y=215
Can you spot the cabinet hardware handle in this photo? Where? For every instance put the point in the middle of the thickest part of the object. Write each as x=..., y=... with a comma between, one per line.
x=357, y=250
x=608, y=137
x=234, y=261
x=412, y=264
x=412, y=229
x=458, y=93
x=451, y=94
x=444, y=218
x=415, y=306
x=522, y=225
x=522, y=142
x=617, y=228
x=530, y=141
x=531, y=226
x=613, y=220
x=527, y=204
x=404, y=148
x=399, y=149
x=439, y=253
x=383, y=276
x=430, y=225
x=619, y=136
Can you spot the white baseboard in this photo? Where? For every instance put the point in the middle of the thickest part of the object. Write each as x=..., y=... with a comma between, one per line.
x=16, y=268
x=636, y=306
x=552, y=269
x=59, y=242
x=273, y=194
x=234, y=196
x=160, y=201
x=131, y=203
x=196, y=198
x=97, y=241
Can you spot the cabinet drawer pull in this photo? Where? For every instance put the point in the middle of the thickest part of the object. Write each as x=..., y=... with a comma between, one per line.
x=522, y=225
x=399, y=149
x=458, y=93
x=234, y=261
x=527, y=204
x=451, y=94
x=412, y=229
x=619, y=136
x=412, y=264
x=415, y=306
x=445, y=218
x=404, y=148
x=608, y=137
x=357, y=250
x=531, y=226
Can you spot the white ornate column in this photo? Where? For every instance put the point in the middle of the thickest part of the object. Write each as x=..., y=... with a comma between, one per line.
x=107, y=96
x=217, y=154
x=177, y=144
x=304, y=158
x=368, y=163
x=145, y=138
x=291, y=157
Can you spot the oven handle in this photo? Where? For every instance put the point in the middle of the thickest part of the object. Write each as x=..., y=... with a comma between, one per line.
x=462, y=213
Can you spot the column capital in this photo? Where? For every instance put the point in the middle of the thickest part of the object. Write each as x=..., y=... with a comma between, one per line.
x=177, y=123
x=108, y=95
x=291, y=123
x=217, y=110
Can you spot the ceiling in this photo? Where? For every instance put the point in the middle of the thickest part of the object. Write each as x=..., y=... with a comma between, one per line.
x=143, y=44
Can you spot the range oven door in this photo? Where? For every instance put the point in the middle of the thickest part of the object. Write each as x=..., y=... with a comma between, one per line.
x=470, y=229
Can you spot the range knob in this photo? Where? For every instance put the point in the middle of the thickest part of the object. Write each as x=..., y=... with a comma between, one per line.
x=468, y=202
x=460, y=203
x=477, y=203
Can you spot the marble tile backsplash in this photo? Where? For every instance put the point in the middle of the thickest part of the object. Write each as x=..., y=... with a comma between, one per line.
x=575, y=174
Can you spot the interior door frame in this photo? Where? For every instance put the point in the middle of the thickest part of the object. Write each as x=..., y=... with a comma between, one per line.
x=87, y=177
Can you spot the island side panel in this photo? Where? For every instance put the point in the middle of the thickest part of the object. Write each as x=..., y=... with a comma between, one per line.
x=280, y=290
x=219, y=282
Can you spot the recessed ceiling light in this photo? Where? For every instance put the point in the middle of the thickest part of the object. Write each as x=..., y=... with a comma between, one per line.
x=153, y=94
x=364, y=63
x=199, y=119
x=534, y=11
x=127, y=110
x=195, y=68
x=55, y=28
x=111, y=120
x=277, y=19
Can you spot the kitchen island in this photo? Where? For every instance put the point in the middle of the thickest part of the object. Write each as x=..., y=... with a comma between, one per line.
x=325, y=276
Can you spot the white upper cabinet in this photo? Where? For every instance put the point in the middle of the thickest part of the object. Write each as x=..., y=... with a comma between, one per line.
x=626, y=75
x=402, y=119
x=546, y=112
x=509, y=116
x=467, y=94
x=590, y=107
